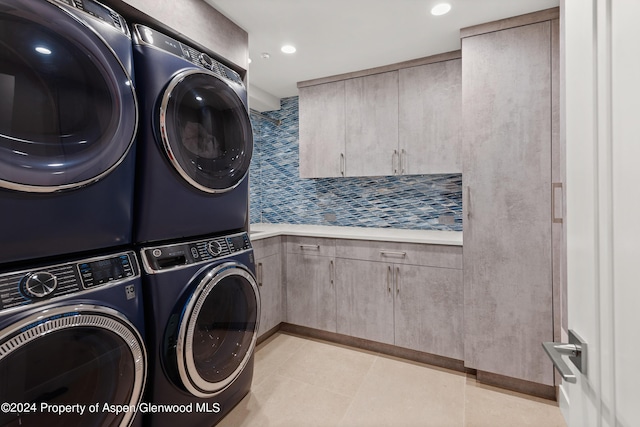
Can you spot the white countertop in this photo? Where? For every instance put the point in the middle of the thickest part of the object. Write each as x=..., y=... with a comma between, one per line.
x=435, y=237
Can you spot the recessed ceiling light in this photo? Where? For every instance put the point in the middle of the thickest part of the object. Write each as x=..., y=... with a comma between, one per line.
x=265, y=55
x=441, y=9
x=288, y=49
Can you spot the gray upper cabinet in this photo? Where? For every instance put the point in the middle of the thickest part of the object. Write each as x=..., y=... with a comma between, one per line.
x=396, y=120
x=430, y=107
x=372, y=125
x=322, y=130
x=507, y=128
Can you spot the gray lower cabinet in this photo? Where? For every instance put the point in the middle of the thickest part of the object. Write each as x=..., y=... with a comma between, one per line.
x=269, y=272
x=310, y=284
x=428, y=314
x=365, y=299
x=507, y=115
x=418, y=307
x=268, y=261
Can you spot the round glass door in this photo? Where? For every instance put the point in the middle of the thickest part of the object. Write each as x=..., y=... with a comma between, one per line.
x=68, y=114
x=206, y=131
x=218, y=330
x=71, y=356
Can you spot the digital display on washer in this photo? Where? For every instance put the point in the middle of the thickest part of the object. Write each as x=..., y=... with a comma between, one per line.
x=236, y=243
x=99, y=272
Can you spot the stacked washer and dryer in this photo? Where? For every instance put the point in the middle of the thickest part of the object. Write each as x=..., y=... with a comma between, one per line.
x=191, y=206
x=77, y=204
x=71, y=314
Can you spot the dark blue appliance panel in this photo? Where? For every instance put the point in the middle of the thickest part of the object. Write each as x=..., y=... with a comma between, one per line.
x=67, y=126
x=195, y=142
x=202, y=311
x=73, y=334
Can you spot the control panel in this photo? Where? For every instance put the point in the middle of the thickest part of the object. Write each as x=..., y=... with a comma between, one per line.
x=161, y=41
x=99, y=11
x=42, y=283
x=182, y=254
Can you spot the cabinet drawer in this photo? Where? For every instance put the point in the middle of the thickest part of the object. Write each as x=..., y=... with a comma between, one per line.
x=401, y=253
x=266, y=247
x=311, y=246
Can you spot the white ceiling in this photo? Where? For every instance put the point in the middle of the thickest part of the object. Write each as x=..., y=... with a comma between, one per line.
x=340, y=36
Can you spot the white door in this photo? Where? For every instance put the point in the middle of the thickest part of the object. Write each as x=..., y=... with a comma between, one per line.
x=602, y=128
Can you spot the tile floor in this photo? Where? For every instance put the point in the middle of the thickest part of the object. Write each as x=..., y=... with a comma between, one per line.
x=300, y=382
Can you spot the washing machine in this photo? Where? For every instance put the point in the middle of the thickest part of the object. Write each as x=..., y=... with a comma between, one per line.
x=68, y=121
x=203, y=309
x=195, y=142
x=72, y=351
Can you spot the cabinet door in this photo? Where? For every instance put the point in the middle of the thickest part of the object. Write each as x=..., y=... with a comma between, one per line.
x=311, y=296
x=372, y=125
x=429, y=310
x=269, y=271
x=507, y=182
x=322, y=130
x=430, y=104
x=364, y=292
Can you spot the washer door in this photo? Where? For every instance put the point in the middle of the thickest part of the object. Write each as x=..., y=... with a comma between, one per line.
x=71, y=355
x=68, y=114
x=206, y=131
x=218, y=329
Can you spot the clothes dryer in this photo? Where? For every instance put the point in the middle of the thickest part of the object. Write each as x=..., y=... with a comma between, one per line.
x=203, y=309
x=195, y=142
x=71, y=336
x=68, y=119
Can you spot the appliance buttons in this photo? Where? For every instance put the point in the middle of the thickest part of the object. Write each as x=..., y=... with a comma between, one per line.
x=156, y=253
x=40, y=284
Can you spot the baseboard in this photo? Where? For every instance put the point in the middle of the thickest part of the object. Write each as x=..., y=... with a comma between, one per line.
x=515, y=384
x=387, y=349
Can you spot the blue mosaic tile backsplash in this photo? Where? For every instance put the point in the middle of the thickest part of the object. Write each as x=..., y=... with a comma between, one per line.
x=279, y=195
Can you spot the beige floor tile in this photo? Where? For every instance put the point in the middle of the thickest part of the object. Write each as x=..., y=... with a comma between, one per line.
x=273, y=353
x=487, y=406
x=398, y=393
x=333, y=367
x=284, y=402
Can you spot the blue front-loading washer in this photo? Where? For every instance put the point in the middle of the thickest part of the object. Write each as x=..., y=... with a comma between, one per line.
x=71, y=340
x=202, y=308
x=68, y=119
x=195, y=142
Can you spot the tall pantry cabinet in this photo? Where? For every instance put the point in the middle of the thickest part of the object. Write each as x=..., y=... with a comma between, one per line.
x=508, y=102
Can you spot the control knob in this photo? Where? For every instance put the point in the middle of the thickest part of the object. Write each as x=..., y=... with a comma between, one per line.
x=214, y=248
x=206, y=61
x=40, y=284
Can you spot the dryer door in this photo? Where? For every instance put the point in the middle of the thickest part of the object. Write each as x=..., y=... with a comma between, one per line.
x=68, y=114
x=218, y=329
x=206, y=131
x=73, y=355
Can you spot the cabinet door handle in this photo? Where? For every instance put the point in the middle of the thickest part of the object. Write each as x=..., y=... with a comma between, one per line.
x=389, y=274
x=332, y=272
x=394, y=162
x=259, y=272
x=554, y=187
x=393, y=254
x=468, y=202
x=310, y=247
x=342, y=164
x=403, y=161
x=398, y=280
